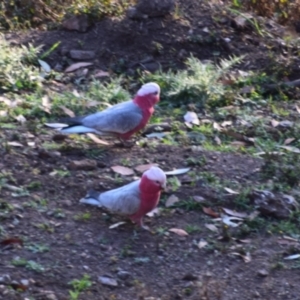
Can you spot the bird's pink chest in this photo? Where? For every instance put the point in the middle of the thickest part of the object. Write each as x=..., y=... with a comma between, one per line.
x=147, y=113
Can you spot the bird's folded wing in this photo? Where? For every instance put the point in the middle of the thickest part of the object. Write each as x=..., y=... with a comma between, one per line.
x=120, y=118
x=124, y=200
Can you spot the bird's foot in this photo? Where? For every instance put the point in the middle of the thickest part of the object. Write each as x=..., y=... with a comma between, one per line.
x=125, y=144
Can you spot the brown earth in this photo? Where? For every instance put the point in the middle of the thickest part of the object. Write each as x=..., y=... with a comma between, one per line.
x=160, y=264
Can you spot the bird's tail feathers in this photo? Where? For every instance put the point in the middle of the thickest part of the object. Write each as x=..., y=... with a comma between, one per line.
x=78, y=129
x=91, y=198
x=56, y=125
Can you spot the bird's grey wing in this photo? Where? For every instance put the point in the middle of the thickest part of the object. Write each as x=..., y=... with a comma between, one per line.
x=120, y=118
x=124, y=200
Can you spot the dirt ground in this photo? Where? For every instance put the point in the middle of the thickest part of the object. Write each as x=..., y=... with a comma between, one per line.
x=147, y=265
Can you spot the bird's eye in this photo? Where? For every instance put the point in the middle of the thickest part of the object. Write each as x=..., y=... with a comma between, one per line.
x=155, y=93
x=156, y=181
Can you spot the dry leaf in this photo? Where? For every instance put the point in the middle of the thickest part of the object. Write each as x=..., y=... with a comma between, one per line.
x=198, y=198
x=67, y=111
x=178, y=231
x=288, y=141
x=15, y=144
x=274, y=123
x=226, y=123
x=217, y=126
x=234, y=213
x=116, y=225
x=253, y=215
x=177, y=171
x=143, y=168
x=209, y=211
x=238, y=144
x=10, y=241
x=153, y=212
x=202, y=244
x=291, y=149
x=101, y=74
x=21, y=119
x=188, y=125
x=228, y=221
x=291, y=257
x=77, y=66
x=95, y=139
x=246, y=258
x=46, y=105
x=171, y=200
x=122, y=170
x=211, y=227
x=44, y=66
x=230, y=191
x=217, y=140
x=191, y=117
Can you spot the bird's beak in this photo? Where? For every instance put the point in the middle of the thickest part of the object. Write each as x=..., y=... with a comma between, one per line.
x=164, y=186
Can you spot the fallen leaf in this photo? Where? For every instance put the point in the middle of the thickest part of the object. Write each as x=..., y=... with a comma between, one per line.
x=211, y=227
x=67, y=111
x=202, y=244
x=15, y=144
x=178, y=231
x=198, y=198
x=21, y=119
x=177, y=171
x=209, y=211
x=77, y=66
x=246, y=258
x=226, y=123
x=152, y=213
x=291, y=257
x=46, y=105
x=95, y=139
x=171, y=200
x=291, y=149
x=10, y=241
x=188, y=125
x=143, y=168
x=45, y=66
x=230, y=191
x=116, y=225
x=228, y=221
x=122, y=170
x=253, y=215
x=217, y=126
x=288, y=141
x=218, y=140
x=274, y=123
x=234, y=213
x=101, y=73
x=191, y=117
x=245, y=241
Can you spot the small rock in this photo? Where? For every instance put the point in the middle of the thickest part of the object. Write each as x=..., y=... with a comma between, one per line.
x=25, y=282
x=108, y=281
x=286, y=124
x=67, y=203
x=79, y=23
x=51, y=297
x=123, y=275
x=59, y=137
x=85, y=165
x=133, y=13
x=82, y=54
x=263, y=273
x=5, y=279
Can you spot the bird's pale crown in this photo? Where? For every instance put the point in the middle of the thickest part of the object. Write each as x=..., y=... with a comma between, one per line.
x=156, y=174
x=149, y=88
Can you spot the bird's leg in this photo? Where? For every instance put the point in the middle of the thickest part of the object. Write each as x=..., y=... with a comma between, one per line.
x=141, y=223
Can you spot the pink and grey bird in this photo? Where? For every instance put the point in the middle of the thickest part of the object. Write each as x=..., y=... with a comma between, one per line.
x=135, y=199
x=121, y=120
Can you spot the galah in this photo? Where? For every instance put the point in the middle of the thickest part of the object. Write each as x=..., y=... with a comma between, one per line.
x=135, y=199
x=121, y=120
